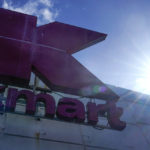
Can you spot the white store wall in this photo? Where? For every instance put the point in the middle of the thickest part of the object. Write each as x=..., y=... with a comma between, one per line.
x=21, y=132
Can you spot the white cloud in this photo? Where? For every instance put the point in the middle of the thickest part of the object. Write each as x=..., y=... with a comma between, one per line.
x=47, y=14
x=5, y=4
x=47, y=2
x=43, y=9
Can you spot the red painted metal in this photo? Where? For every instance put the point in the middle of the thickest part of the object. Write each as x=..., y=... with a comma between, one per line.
x=46, y=50
x=67, y=37
x=69, y=109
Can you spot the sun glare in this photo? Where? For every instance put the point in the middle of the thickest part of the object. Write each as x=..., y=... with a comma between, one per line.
x=143, y=82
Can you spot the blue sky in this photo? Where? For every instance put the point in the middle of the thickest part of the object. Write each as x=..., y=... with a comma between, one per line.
x=123, y=59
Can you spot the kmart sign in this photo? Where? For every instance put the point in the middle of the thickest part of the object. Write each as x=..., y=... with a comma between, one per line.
x=69, y=109
x=47, y=51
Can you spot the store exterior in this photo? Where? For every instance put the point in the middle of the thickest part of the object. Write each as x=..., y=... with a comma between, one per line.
x=77, y=110
x=19, y=131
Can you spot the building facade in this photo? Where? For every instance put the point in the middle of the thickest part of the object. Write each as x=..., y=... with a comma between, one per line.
x=20, y=131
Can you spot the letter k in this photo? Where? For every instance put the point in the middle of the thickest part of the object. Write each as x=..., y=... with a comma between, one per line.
x=46, y=50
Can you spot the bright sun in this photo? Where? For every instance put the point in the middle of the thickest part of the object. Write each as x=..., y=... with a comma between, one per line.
x=143, y=81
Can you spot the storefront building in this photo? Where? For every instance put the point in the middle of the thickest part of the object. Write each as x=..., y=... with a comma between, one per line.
x=20, y=131
x=77, y=110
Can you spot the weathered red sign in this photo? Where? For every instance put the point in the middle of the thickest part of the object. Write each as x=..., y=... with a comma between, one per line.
x=46, y=50
x=69, y=109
